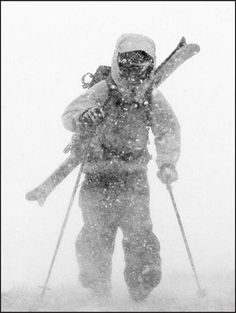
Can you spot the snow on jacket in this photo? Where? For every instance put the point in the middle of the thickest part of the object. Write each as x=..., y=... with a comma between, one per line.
x=120, y=141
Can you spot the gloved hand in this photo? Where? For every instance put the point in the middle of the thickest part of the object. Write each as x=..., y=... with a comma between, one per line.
x=167, y=174
x=90, y=117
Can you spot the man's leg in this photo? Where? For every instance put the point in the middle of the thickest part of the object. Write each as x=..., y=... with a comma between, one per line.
x=141, y=247
x=95, y=243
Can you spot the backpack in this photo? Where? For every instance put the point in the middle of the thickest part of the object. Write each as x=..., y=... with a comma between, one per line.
x=101, y=73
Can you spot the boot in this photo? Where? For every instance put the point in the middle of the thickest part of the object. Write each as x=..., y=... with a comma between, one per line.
x=148, y=280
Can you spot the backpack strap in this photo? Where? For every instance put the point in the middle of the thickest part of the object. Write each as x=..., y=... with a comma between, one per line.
x=113, y=92
x=148, y=104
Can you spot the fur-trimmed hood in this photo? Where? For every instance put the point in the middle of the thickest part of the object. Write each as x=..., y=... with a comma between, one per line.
x=127, y=43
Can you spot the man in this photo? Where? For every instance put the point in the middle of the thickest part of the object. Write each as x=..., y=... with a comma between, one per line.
x=115, y=116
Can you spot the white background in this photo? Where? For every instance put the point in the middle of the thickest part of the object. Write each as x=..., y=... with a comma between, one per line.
x=46, y=48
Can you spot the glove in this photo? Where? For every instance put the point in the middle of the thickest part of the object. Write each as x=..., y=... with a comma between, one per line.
x=167, y=174
x=90, y=117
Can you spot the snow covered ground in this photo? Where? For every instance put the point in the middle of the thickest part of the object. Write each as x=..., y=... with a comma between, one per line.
x=176, y=293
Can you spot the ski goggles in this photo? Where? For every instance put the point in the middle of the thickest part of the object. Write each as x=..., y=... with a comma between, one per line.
x=135, y=64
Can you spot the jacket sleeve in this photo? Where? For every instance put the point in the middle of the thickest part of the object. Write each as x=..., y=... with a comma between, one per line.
x=94, y=97
x=166, y=130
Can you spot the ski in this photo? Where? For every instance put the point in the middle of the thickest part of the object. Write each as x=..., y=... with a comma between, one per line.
x=41, y=192
x=182, y=53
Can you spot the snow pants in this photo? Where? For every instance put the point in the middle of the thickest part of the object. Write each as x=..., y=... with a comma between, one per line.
x=109, y=201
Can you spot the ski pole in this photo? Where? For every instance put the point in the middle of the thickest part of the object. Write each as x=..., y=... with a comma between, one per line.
x=65, y=220
x=201, y=292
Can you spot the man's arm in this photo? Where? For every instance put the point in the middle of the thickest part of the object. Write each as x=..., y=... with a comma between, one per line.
x=166, y=130
x=91, y=99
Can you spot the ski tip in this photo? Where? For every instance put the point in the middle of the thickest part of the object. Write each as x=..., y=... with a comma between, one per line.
x=182, y=41
x=41, y=202
x=29, y=196
x=191, y=49
x=197, y=48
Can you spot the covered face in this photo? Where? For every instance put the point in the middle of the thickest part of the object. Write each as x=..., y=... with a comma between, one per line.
x=133, y=65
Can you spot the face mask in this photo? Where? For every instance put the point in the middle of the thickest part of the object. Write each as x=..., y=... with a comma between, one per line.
x=135, y=66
